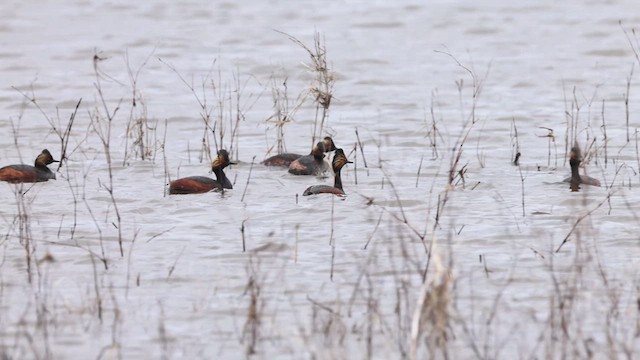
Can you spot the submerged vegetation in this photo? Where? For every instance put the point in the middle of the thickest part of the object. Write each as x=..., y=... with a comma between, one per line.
x=413, y=269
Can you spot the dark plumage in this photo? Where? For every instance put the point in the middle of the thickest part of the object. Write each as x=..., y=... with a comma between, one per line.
x=28, y=174
x=339, y=161
x=202, y=184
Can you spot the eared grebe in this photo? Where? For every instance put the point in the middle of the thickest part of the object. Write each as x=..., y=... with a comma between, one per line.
x=203, y=184
x=285, y=159
x=27, y=173
x=339, y=160
x=576, y=179
x=312, y=164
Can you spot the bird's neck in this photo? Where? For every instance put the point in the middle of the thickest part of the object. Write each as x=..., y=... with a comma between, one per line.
x=337, y=182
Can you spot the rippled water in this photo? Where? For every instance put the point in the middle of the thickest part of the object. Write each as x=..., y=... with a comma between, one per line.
x=329, y=277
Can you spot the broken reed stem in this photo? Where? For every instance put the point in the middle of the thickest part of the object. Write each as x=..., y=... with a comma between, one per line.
x=626, y=100
x=419, y=168
x=575, y=225
x=522, y=178
x=167, y=177
x=175, y=263
x=248, y=178
x=515, y=143
x=375, y=228
x=244, y=246
x=66, y=135
x=432, y=134
x=364, y=160
x=355, y=163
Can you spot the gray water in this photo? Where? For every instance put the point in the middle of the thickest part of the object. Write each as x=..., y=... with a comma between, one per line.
x=332, y=278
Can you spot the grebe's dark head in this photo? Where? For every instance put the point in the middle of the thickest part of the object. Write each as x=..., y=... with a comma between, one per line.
x=575, y=156
x=45, y=158
x=329, y=145
x=222, y=160
x=339, y=160
x=318, y=150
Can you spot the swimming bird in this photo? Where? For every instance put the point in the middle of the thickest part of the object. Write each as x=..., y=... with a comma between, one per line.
x=339, y=160
x=312, y=164
x=285, y=159
x=575, y=158
x=28, y=174
x=203, y=184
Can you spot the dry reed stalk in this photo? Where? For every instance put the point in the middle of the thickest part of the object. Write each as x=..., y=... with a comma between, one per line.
x=626, y=100
x=355, y=163
x=605, y=139
x=244, y=245
x=205, y=109
x=167, y=176
x=581, y=218
x=144, y=145
x=516, y=148
x=361, y=147
x=419, y=169
x=431, y=317
x=102, y=256
x=56, y=126
x=281, y=115
x=240, y=110
x=98, y=119
x=248, y=178
x=283, y=111
x=433, y=133
x=25, y=237
x=324, y=80
x=255, y=310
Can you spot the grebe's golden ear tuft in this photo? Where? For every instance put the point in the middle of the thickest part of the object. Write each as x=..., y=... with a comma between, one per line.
x=222, y=160
x=339, y=160
x=217, y=162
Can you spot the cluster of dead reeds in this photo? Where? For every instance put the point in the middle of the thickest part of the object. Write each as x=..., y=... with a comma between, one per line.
x=419, y=310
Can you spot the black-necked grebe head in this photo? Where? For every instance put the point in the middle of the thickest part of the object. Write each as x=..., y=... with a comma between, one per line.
x=318, y=150
x=339, y=160
x=45, y=158
x=329, y=145
x=222, y=160
x=575, y=158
